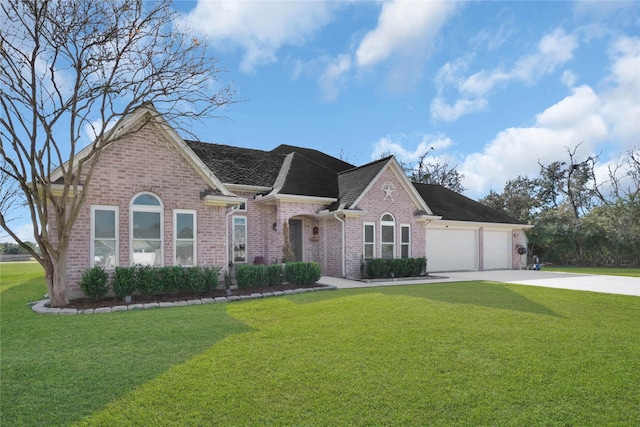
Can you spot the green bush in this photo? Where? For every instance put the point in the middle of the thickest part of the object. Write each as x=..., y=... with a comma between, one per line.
x=210, y=275
x=147, y=282
x=123, y=281
x=302, y=273
x=94, y=282
x=172, y=278
x=250, y=276
x=194, y=279
x=275, y=275
x=379, y=268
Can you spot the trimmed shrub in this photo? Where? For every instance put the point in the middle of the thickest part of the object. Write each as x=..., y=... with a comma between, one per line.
x=251, y=276
x=172, y=278
x=123, y=281
x=379, y=268
x=194, y=279
x=147, y=282
x=211, y=276
x=275, y=275
x=94, y=282
x=302, y=273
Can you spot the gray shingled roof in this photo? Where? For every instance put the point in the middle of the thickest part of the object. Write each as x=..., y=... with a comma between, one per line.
x=312, y=173
x=329, y=162
x=305, y=177
x=353, y=182
x=453, y=206
x=235, y=165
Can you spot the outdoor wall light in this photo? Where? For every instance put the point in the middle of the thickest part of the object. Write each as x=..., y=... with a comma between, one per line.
x=274, y=225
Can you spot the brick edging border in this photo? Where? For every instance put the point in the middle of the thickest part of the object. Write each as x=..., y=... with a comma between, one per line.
x=40, y=307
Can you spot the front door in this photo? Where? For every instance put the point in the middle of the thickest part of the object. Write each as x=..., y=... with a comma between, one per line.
x=295, y=238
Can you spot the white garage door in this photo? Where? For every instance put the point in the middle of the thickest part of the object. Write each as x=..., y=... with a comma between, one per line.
x=451, y=250
x=496, y=249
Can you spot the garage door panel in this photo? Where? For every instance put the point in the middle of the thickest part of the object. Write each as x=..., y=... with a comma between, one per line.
x=451, y=250
x=496, y=249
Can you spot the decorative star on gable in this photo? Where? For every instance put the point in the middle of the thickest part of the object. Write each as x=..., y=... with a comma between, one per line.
x=388, y=188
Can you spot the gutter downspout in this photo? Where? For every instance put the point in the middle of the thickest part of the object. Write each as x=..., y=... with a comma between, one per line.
x=344, y=261
x=226, y=244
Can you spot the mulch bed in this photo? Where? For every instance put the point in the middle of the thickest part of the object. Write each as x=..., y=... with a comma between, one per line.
x=85, y=303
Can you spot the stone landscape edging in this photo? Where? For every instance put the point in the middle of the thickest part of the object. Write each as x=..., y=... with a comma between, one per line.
x=40, y=307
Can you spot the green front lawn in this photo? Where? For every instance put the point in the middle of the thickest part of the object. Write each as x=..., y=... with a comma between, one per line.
x=472, y=353
x=607, y=271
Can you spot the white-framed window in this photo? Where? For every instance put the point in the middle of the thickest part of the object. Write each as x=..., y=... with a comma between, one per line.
x=387, y=236
x=184, y=237
x=369, y=240
x=147, y=230
x=104, y=236
x=405, y=241
x=240, y=239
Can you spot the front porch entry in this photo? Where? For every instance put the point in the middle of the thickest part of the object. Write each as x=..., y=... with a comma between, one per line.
x=295, y=238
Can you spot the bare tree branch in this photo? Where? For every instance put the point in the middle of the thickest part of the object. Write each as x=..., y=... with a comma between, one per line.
x=73, y=65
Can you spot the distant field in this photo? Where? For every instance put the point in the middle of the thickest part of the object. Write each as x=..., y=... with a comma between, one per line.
x=607, y=271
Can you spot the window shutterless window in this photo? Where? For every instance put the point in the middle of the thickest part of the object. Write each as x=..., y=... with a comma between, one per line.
x=369, y=240
x=104, y=236
x=405, y=241
x=239, y=239
x=387, y=236
x=184, y=235
x=147, y=230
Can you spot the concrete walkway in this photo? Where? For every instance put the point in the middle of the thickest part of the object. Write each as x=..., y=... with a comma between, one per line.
x=579, y=282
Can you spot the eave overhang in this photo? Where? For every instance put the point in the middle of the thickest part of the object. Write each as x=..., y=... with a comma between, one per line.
x=244, y=188
x=445, y=223
x=345, y=213
x=223, y=201
x=293, y=198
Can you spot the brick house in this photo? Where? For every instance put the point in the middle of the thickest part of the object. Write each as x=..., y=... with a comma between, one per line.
x=157, y=199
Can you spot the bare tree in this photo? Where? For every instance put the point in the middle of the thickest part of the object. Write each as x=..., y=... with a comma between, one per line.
x=432, y=171
x=75, y=66
x=437, y=171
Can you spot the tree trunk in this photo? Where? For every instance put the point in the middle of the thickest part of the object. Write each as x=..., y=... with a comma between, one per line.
x=56, y=276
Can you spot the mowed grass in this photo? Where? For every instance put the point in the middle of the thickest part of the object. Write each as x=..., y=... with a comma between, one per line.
x=472, y=353
x=607, y=271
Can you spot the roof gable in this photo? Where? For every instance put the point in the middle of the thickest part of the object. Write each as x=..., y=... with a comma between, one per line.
x=356, y=183
x=148, y=115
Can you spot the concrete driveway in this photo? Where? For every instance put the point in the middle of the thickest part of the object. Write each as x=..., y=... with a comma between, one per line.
x=579, y=282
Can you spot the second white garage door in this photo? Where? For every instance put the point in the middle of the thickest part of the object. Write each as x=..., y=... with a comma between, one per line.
x=496, y=249
x=452, y=250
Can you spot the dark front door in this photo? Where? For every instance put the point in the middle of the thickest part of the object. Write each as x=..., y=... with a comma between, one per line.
x=295, y=237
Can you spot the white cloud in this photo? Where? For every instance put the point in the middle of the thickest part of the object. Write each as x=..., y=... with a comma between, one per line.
x=395, y=145
x=333, y=76
x=91, y=130
x=552, y=50
x=260, y=28
x=403, y=28
x=569, y=78
x=440, y=110
x=621, y=98
x=516, y=151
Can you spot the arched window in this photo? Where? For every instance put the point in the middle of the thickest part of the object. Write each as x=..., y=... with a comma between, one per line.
x=147, y=230
x=387, y=236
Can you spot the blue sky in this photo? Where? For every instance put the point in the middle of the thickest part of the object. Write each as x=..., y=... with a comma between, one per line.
x=493, y=87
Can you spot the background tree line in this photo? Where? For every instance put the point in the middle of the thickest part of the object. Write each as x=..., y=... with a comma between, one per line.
x=577, y=219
